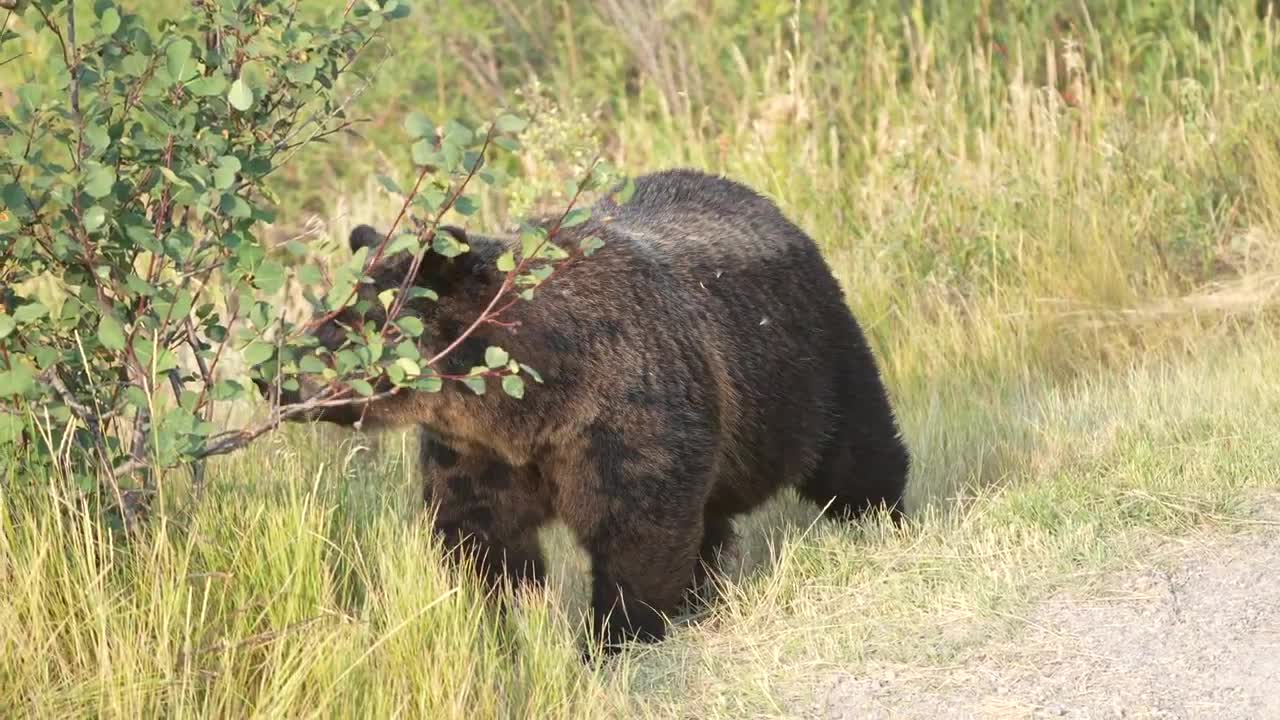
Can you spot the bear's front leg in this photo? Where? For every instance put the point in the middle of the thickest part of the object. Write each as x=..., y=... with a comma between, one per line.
x=641, y=573
x=485, y=511
x=634, y=495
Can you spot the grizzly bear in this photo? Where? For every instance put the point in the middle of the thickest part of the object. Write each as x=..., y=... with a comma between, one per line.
x=697, y=363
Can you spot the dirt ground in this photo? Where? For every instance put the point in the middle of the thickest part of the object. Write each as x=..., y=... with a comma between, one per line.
x=1195, y=633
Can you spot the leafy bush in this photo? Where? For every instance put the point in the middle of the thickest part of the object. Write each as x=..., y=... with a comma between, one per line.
x=130, y=252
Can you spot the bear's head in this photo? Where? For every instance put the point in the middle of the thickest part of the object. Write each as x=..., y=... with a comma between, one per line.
x=459, y=286
x=455, y=283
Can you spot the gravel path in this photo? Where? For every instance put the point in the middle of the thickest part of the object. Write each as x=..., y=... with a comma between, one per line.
x=1194, y=634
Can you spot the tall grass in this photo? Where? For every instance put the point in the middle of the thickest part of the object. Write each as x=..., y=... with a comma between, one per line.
x=305, y=583
x=1059, y=223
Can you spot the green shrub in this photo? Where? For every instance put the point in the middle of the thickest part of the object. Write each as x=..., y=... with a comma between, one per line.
x=131, y=254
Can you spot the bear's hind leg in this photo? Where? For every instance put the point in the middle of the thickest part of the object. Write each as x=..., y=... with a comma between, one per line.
x=863, y=467
x=717, y=537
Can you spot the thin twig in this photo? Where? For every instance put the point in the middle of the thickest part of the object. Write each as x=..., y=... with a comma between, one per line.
x=53, y=380
x=217, y=355
x=377, y=255
x=401, y=296
x=66, y=58
x=74, y=69
x=94, y=421
x=233, y=440
x=194, y=343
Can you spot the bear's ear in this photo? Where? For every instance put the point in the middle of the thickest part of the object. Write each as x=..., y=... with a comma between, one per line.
x=364, y=236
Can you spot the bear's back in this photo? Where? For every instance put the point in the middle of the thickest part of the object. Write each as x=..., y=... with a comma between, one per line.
x=758, y=297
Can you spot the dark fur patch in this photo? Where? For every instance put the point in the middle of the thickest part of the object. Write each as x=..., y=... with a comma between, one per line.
x=462, y=486
x=480, y=517
x=441, y=454
x=607, y=329
x=609, y=450
x=639, y=395
x=496, y=476
x=559, y=342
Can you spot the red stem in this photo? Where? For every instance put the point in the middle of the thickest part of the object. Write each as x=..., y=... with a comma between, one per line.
x=377, y=255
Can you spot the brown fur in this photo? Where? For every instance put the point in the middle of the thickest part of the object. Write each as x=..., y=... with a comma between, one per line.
x=700, y=361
